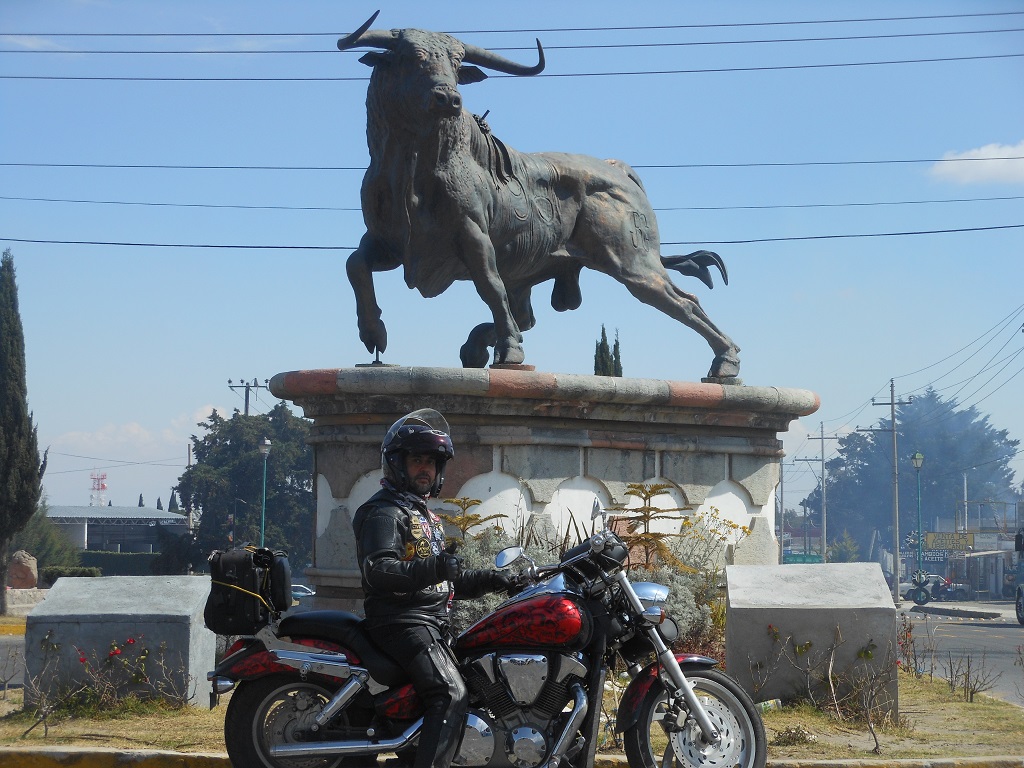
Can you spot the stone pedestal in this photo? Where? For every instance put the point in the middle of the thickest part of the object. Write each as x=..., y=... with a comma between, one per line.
x=529, y=443
x=109, y=622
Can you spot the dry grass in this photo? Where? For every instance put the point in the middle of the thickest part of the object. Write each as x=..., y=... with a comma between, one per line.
x=12, y=625
x=936, y=725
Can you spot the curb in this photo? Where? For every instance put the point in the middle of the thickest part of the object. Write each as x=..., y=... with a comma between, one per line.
x=79, y=757
x=956, y=612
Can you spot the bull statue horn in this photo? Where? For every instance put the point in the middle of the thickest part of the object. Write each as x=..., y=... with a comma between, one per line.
x=491, y=60
x=373, y=39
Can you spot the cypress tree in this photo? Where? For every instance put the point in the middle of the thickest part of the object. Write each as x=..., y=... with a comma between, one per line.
x=21, y=470
x=141, y=502
x=159, y=505
x=616, y=360
x=603, y=357
x=172, y=505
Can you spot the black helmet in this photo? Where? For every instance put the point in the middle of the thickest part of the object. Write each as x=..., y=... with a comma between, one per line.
x=424, y=432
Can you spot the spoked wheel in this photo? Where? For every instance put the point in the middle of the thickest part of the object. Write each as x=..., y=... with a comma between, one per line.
x=664, y=737
x=274, y=710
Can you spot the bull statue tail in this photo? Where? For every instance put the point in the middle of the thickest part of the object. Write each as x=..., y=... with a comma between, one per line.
x=696, y=265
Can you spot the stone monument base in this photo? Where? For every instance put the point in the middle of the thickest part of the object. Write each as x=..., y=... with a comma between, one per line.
x=543, y=448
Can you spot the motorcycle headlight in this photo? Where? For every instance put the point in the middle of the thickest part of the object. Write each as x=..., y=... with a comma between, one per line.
x=654, y=615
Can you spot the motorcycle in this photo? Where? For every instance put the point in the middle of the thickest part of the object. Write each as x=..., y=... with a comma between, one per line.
x=311, y=690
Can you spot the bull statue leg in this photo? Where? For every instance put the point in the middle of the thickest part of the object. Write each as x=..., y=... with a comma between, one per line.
x=483, y=271
x=364, y=261
x=655, y=287
x=474, y=353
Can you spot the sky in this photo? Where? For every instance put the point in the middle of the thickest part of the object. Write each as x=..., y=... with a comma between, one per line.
x=180, y=191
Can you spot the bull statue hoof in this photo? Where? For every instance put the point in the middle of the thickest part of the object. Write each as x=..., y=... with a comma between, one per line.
x=374, y=336
x=725, y=366
x=509, y=351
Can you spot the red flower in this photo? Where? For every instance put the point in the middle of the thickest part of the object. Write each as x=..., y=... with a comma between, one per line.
x=130, y=641
x=82, y=659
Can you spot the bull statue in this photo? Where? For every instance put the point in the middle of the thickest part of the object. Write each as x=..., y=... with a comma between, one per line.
x=447, y=200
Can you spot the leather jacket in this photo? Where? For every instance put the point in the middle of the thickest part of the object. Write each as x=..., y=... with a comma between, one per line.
x=399, y=546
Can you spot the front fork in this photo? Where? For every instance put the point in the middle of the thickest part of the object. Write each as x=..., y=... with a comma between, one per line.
x=675, y=680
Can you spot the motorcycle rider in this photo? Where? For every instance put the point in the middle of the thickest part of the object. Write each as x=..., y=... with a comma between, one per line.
x=410, y=578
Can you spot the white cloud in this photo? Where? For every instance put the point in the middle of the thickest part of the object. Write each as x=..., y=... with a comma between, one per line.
x=976, y=169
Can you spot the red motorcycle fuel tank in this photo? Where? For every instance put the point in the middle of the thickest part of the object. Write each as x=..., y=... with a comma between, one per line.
x=536, y=622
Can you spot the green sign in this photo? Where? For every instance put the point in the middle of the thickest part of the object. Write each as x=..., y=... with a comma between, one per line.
x=800, y=557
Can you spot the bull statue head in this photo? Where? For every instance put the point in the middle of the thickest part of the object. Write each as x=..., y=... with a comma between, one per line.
x=440, y=62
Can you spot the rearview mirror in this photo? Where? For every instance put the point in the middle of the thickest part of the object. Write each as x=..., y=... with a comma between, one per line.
x=507, y=556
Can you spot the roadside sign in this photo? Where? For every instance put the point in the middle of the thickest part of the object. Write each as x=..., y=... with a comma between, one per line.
x=955, y=541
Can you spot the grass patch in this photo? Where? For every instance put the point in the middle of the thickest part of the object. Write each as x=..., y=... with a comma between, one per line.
x=933, y=723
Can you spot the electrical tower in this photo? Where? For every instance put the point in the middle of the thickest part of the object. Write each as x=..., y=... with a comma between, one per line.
x=97, y=498
x=249, y=386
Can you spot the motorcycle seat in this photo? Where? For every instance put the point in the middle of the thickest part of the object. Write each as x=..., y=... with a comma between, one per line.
x=345, y=629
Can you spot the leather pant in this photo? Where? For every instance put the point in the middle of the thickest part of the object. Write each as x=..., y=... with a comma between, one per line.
x=422, y=652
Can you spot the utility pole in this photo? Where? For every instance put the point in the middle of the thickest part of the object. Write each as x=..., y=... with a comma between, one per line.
x=249, y=385
x=824, y=505
x=892, y=403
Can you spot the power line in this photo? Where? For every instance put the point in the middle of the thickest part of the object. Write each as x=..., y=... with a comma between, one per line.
x=777, y=206
x=796, y=164
x=547, y=47
x=352, y=247
x=998, y=326
x=732, y=25
x=623, y=73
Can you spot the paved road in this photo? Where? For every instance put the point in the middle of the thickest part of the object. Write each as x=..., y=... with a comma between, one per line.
x=993, y=641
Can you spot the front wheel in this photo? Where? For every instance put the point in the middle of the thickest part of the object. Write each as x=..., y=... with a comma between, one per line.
x=664, y=736
x=278, y=709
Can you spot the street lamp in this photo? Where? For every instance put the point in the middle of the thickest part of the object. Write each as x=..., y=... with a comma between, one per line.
x=264, y=452
x=917, y=460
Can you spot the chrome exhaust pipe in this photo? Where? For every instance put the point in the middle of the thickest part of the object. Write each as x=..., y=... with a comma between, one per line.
x=579, y=711
x=347, y=748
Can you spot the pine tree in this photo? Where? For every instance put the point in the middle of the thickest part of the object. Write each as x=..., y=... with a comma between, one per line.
x=21, y=470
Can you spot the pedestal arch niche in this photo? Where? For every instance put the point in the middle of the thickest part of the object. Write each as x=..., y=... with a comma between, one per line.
x=538, y=444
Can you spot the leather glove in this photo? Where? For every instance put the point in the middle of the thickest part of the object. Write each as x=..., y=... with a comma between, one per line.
x=503, y=582
x=449, y=567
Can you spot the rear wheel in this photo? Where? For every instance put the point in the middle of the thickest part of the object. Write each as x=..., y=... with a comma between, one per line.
x=279, y=709
x=664, y=736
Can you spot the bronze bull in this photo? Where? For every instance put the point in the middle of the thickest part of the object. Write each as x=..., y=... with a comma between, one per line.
x=447, y=200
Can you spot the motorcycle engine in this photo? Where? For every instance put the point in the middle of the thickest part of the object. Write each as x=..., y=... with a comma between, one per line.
x=516, y=707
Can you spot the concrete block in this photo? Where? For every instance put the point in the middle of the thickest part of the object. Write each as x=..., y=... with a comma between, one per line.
x=109, y=622
x=788, y=624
